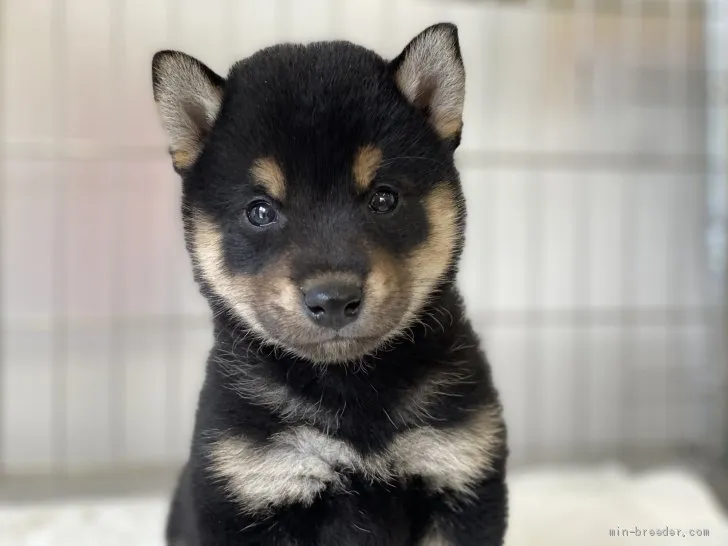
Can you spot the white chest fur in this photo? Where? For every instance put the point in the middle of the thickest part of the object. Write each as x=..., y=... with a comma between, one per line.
x=300, y=463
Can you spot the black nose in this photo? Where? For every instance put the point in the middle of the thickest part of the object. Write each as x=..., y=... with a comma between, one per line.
x=333, y=303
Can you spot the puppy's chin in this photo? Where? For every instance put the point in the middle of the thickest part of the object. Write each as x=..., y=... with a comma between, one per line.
x=336, y=351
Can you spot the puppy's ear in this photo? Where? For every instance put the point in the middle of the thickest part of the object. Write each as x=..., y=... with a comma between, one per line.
x=431, y=75
x=188, y=96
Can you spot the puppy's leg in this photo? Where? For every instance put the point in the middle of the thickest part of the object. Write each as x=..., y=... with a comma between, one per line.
x=479, y=519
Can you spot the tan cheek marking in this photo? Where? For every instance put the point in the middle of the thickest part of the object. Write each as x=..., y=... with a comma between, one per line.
x=290, y=318
x=236, y=290
x=288, y=296
x=366, y=163
x=429, y=262
x=268, y=173
x=277, y=280
x=384, y=286
x=451, y=458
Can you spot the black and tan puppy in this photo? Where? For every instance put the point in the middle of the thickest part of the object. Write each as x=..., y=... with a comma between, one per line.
x=346, y=401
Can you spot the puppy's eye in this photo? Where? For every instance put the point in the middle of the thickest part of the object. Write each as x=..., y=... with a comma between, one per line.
x=383, y=201
x=261, y=213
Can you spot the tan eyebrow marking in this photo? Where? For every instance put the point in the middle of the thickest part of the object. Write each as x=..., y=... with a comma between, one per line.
x=182, y=159
x=268, y=173
x=367, y=161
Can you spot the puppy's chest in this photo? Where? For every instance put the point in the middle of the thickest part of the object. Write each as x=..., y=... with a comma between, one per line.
x=334, y=461
x=300, y=463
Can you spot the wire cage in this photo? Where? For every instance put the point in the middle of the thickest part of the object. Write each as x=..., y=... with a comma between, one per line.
x=593, y=161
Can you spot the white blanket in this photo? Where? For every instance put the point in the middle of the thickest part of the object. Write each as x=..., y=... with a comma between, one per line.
x=548, y=508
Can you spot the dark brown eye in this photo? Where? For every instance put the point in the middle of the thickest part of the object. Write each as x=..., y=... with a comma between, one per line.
x=261, y=213
x=383, y=201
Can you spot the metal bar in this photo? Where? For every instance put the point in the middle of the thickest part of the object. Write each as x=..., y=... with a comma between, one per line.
x=582, y=267
x=59, y=342
x=3, y=203
x=118, y=329
x=631, y=30
x=716, y=204
x=490, y=37
x=675, y=381
x=534, y=259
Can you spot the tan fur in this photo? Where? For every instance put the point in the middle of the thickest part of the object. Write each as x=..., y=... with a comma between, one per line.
x=385, y=291
x=429, y=262
x=296, y=465
x=182, y=159
x=207, y=252
x=275, y=279
x=366, y=163
x=286, y=471
x=450, y=458
x=448, y=128
x=239, y=291
x=384, y=276
x=432, y=75
x=268, y=173
x=183, y=84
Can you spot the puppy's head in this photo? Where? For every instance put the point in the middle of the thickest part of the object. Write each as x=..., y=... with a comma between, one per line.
x=321, y=203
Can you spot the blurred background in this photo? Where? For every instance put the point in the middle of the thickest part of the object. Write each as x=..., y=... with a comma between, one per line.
x=594, y=162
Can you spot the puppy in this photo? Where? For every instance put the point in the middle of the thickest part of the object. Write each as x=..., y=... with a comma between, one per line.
x=346, y=400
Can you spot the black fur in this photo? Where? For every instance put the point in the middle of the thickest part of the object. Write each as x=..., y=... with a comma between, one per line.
x=311, y=107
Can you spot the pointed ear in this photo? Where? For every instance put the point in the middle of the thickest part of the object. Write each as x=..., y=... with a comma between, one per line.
x=431, y=75
x=188, y=96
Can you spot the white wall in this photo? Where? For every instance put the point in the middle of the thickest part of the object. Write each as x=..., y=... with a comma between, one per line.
x=584, y=267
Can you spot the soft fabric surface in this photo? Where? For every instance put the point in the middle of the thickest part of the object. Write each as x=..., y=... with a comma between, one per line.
x=548, y=507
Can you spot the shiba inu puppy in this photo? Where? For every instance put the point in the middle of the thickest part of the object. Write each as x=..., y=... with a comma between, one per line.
x=346, y=399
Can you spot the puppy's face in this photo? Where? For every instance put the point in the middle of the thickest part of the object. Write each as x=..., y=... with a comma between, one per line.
x=321, y=203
